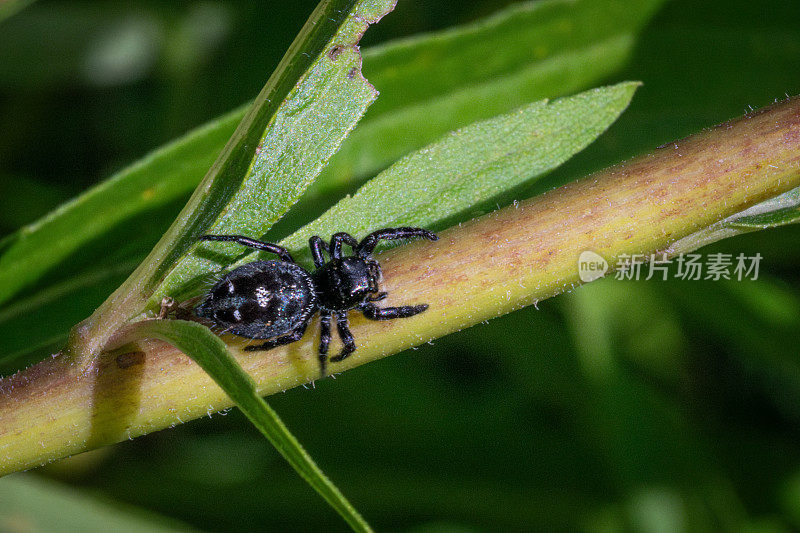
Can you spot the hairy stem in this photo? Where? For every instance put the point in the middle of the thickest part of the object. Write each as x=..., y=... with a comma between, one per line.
x=479, y=270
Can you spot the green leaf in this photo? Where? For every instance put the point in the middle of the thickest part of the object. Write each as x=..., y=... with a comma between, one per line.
x=771, y=219
x=775, y=212
x=436, y=83
x=306, y=108
x=208, y=351
x=81, y=232
x=475, y=165
x=779, y=211
x=571, y=51
x=305, y=131
x=30, y=503
x=309, y=104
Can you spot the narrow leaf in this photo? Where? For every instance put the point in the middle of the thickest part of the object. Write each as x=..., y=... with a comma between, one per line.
x=475, y=165
x=775, y=212
x=435, y=83
x=782, y=210
x=80, y=232
x=208, y=351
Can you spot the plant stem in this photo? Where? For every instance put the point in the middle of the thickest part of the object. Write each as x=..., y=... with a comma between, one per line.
x=484, y=268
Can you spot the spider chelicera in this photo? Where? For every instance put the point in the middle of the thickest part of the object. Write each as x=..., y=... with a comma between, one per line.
x=276, y=300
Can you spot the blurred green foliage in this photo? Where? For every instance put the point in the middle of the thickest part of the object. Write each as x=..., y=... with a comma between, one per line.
x=645, y=406
x=30, y=503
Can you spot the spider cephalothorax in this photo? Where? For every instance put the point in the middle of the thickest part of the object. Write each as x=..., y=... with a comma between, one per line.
x=276, y=300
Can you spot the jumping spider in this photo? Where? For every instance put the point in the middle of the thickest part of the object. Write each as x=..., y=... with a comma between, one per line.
x=276, y=300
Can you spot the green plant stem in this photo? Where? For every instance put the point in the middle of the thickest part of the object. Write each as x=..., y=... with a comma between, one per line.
x=492, y=265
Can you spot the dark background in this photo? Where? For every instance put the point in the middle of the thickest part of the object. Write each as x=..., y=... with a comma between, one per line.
x=621, y=406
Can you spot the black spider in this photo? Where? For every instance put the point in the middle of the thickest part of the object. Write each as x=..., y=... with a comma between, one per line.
x=276, y=300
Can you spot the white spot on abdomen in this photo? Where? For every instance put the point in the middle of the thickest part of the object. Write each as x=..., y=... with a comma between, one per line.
x=262, y=296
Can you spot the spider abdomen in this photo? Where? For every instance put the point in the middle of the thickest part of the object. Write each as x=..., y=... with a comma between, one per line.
x=262, y=300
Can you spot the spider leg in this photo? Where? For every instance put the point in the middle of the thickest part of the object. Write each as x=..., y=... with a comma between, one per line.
x=296, y=335
x=347, y=337
x=317, y=246
x=280, y=251
x=377, y=297
x=341, y=238
x=324, y=341
x=373, y=312
x=368, y=243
